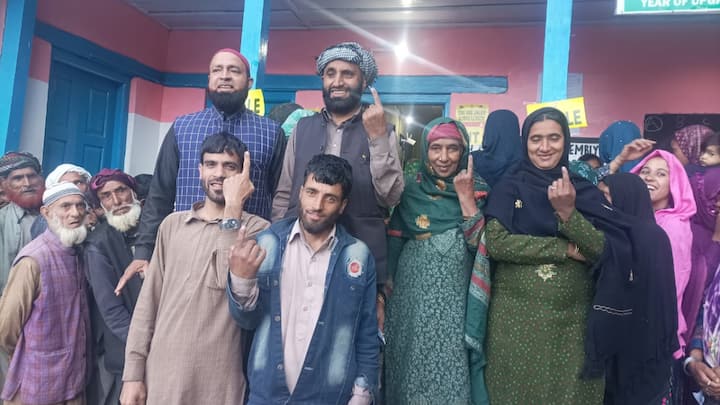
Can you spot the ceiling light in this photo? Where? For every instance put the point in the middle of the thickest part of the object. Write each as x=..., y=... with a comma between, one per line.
x=401, y=50
x=409, y=119
x=406, y=3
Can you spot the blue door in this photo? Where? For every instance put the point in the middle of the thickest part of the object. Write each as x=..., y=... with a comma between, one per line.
x=80, y=119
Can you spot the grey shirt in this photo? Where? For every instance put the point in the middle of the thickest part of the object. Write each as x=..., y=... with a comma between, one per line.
x=15, y=223
x=387, y=174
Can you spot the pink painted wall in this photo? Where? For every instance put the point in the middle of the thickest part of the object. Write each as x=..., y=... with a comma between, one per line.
x=3, y=7
x=145, y=98
x=112, y=24
x=633, y=70
x=163, y=104
x=40, y=60
x=180, y=101
x=310, y=99
x=190, y=51
x=628, y=70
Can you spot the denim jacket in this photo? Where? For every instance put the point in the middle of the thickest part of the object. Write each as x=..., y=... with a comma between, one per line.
x=344, y=348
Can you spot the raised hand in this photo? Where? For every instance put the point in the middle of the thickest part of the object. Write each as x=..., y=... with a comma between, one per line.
x=245, y=256
x=237, y=189
x=634, y=150
x=463, y=181
x=465, y=189
x=561, y=194
x=374, y=117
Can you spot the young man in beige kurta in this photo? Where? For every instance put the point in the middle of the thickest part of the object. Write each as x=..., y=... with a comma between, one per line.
x=183, y=347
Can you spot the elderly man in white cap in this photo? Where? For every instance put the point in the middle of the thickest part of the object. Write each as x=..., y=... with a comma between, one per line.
x=44, y=321
x=359, y=134
x=65, y=172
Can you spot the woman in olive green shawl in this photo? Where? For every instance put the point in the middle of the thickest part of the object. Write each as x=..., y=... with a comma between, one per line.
x=435, y=235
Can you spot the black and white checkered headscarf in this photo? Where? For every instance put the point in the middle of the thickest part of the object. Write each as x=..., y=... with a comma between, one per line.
x=350, y=52
x=18, y=160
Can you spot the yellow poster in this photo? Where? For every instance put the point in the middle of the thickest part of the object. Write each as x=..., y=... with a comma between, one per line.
x=255, y=101
x=476, y=134
x=473, y=116
x=574, y=109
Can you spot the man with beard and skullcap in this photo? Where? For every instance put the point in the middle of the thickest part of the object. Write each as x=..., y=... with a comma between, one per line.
x=24, y=188
x=175, y=181
x=44, y=321
x=64, y=172
x=182, y=347
x=359, y=134
x=108, y=252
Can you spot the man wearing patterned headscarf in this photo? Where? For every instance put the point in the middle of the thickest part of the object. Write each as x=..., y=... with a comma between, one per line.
x=24, y=187
x=108, y=252
x=357, y=133
x=20, y=175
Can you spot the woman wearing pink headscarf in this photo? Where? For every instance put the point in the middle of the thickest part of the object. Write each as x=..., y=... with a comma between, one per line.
x=687, y=142
x=674, y=205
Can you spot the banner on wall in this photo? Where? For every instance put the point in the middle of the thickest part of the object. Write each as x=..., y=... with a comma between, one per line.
x=255, y=101
x=666, y=6
x=580, y=146
x=473, y=116
x=574, y=109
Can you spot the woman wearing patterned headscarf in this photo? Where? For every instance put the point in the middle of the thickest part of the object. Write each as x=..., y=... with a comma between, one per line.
x=434, y=236
x=686, y=144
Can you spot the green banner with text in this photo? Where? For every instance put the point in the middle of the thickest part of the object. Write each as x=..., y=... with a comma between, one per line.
x=667, y=6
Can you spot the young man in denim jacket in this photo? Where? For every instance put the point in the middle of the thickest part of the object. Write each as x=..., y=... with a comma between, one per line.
x=308, y=290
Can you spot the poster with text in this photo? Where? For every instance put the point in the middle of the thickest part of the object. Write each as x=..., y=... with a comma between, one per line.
x=473, y=116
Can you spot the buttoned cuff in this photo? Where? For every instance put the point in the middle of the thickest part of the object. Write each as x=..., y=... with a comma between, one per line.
x=244, y=291
x=379, y=146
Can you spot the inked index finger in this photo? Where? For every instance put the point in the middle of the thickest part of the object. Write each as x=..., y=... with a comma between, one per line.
x=565, y=174
x=246, y=164
x=242, y=235
x=376, y=97
x=470, y=164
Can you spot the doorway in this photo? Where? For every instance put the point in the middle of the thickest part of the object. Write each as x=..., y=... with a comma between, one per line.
x=409, y=121
x=81, y=116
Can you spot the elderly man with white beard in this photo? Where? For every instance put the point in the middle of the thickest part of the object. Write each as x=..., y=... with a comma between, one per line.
x=44, y=321
x=108, y=252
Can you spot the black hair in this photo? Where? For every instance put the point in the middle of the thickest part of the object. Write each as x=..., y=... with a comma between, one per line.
x=712, y=140
x=223, y=142
x=143, y=185
x=331, y=170
x=588, y=157
x=281, y=112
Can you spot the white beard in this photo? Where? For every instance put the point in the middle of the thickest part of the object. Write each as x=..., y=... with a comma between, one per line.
x=69, y=237
x=126, y=221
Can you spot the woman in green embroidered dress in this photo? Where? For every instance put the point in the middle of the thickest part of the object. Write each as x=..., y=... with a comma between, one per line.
x=434, y=236
x=542, y=286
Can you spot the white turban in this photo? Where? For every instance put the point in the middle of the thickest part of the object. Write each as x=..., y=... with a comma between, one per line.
x=54, y=176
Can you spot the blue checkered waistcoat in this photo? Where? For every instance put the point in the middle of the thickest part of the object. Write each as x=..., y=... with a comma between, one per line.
x=258, y=133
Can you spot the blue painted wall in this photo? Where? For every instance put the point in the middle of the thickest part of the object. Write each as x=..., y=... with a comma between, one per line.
x=14, y=68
